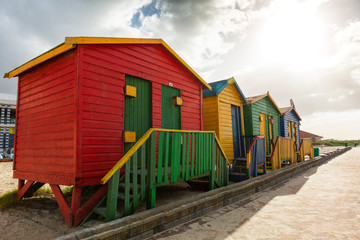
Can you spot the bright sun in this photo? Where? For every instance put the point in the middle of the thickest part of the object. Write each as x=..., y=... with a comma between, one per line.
x=293, y=38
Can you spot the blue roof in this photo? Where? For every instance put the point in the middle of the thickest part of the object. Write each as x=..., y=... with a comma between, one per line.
x=218, y=86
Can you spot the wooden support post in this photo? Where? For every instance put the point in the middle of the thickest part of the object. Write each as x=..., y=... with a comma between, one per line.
x=20, y=184
x=21, y=193
x=89, y=205
x=212, y=163
x=33, y=188
x=64, y=207
x=75, y=199
x=151, y=189
x=111, y=201
x=127, y=207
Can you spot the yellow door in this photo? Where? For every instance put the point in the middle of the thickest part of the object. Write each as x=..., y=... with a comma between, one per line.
x=271, y=132
x=294, y=134
x=263, y=127
x=289, y=129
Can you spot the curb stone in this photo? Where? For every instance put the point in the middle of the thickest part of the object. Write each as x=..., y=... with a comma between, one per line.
x=149, y=222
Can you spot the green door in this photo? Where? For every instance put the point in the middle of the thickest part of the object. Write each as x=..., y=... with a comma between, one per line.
x=137, y=115
x=171, y=117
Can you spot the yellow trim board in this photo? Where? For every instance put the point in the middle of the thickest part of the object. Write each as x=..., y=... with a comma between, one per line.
x=70, y=42
x=111, y=40
x=42, y=58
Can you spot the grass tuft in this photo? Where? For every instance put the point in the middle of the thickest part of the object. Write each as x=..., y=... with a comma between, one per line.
x=8, y=200
x=45, y=191
x=336, y=142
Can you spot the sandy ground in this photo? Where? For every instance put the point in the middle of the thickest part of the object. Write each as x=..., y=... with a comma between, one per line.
x=324, y=149
x=321, y=203
x=34, y=218
x=40, y=218
x=7, y=182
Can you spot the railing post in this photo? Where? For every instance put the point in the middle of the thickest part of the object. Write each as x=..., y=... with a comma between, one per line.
x=111, y=201
x=226, y=168
x=212, y=162
x=151, y=155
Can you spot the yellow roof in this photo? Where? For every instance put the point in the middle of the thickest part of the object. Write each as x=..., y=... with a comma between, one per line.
x=71, y=42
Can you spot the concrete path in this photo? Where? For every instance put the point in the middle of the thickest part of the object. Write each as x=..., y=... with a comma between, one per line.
x=321, y=203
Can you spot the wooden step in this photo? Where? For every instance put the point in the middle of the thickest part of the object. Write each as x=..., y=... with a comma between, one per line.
x=239, y=167
x=122, y=186
x=238, y=177
x=121, y=196
x=100, y=211
x=240, y=159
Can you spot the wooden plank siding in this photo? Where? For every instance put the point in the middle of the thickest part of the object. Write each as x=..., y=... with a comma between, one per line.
x=217, y=117
x=226, y=136
x=45, y=123
x=252, y=120
x=102, y=99
x=70, y=119
x=291, y=116
x=210, y=114
x=229, y=96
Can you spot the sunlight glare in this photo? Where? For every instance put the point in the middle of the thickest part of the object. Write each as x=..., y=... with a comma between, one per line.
x=292, y=38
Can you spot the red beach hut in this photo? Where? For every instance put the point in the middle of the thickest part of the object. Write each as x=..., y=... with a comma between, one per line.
x=82, y=104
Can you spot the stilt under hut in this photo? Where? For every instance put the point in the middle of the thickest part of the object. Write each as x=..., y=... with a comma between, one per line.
x=122, y=114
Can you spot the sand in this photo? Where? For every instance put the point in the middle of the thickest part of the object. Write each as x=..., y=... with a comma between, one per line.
x=35, y=218
x=7, y=183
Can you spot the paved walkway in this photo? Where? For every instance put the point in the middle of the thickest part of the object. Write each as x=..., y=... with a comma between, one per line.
x=321, y=203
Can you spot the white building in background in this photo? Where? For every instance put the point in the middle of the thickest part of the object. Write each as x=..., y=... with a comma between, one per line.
x=7, y=123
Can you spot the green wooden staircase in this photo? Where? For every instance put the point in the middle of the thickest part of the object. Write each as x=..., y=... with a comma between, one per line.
x=160, y=157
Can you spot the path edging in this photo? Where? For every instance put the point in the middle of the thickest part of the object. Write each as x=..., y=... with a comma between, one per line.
x=147, y=223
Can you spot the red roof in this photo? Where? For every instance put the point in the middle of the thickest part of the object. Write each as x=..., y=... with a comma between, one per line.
x=304, y=134
x=254, y=97
x=286, y=110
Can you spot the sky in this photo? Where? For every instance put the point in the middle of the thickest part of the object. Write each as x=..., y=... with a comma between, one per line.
x=305, y=50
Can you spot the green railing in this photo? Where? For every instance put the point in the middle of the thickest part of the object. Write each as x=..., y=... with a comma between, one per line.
x=159, y=158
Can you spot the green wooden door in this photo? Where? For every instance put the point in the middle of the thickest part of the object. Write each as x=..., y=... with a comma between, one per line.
x=171, y=114
x=137, y=116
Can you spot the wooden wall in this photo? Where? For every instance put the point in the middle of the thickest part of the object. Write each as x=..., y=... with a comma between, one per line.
x=291, y=116
x=103, y=69
x=71, y=109
x=252, y=122
x=210, y=114
x=45, y=122
x=217, y=117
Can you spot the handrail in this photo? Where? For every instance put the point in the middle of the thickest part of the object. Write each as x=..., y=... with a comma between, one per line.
x=306, y=148
x=249, y=156
x=279, y=150
x=141, y=141
x=253, y=142
x=276, y=141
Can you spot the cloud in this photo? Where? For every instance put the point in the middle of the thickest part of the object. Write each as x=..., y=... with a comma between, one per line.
x=31, y=28
x=202, y=31
x=219, y=39
x=334, y=124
